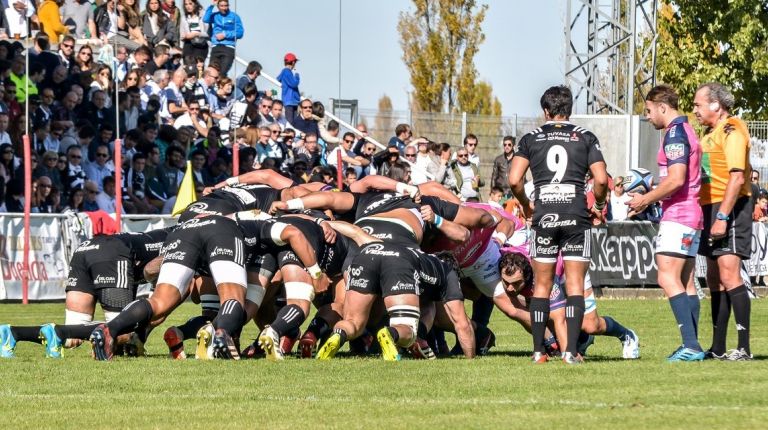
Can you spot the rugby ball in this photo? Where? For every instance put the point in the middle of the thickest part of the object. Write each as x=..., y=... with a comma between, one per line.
x=638, y=180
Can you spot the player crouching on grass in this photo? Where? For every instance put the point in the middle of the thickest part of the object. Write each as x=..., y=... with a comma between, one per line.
x=105, y=269
x=517, y=275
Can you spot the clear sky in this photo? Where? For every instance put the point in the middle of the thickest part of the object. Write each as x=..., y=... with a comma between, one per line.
x=522, y=54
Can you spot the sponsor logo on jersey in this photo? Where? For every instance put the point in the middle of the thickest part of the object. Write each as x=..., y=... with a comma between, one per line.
x=403, y=286
x=553, y=221
x=154, y=246
x=541, y=240
x=570, y=247
x=251, y=241
x=289, y=256
x=170, y=247
x=101, y=279
x=431, y=280
x=197, y=222
x=356, y=271
x=178, y=256
x=222, y=251
x=71, y=282
x=574, y=137
x=562, y=136
x=199, y=208
x=358, y=283
x=86, y=246
x=672, y=131
x=384, y=198
x=378, y=249
x=557, y=193
x=674, y=151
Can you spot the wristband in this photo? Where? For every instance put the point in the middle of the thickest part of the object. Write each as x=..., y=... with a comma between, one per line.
x=314, y=271
x=319, y=221
x=722, y=217
x=295, y=204
x=233, y=181
x=438, y=221
x=501, y=237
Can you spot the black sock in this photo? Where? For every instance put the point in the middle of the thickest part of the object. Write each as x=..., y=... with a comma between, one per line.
x=78, y=331
x=481, y=310
x=393, y=332
x=26, y=333
x=481, y=332
x=231, y=318
x=190, y=328
x=288, y=318
x=742, y=308
x=721, y=313
x=342, y=334
x=695, y=304
x=574, y=317
x=137, y=313
x=319, y=327
x=539, y=310
x=422, y=331
x=681, y=308
x=584, y=336
x=293, y=333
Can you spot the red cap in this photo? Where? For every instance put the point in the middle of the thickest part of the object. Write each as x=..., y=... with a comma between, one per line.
x=290, y=57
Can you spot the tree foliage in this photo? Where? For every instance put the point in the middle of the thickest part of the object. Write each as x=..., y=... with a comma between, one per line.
x=440, y=39
x=715, y=40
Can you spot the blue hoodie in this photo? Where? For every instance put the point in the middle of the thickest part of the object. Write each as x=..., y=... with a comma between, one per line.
x=229, y=24
x=290, y=87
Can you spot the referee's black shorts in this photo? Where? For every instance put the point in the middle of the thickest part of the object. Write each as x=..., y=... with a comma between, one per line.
x=738, y=231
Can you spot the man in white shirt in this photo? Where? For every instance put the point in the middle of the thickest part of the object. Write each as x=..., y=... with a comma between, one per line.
x=348, y=158
x=618, y=200
x=17, y=13
x=106, y=198
x=192, y=118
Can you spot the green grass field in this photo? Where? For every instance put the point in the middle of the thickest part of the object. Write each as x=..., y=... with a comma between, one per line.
x=502, y=390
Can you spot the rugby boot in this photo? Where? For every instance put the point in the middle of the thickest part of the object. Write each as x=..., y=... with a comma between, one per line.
x=686, y=354
x=330, y=347
x=134, y=347
x=539, y=358
x=224, y=346
x=420, y=350
x=738, y=355
x=389, y=351
x=174, y=339
x=7, y=342
x=102, y=343
x=50, y=340
x=569, y=358
x=307, y=345
x=711, y=355
x=552, y=348
x=269, y=340
x=631, y=345
x=204, y=349
x=253, y=351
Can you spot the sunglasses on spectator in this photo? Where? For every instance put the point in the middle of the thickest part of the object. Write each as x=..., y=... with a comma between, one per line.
x=92, y=191
x=307, y=107
x=266, y=106
x=76, y=157
x=508, y=144
x=410, y=155
x=8, y=152
x=86, y=53
x=53, y=159
x=462, y=155
x=349, y=141
x=102, y=155
x=68, y=45
x=275, y=131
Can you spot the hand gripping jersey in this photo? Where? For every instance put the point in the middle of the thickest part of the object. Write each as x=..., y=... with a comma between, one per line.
x=560, y=155
x=680, y=146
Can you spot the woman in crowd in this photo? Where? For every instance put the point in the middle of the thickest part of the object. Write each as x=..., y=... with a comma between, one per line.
x=7, y=162
x=102, y=80
x=193, y=32
x=75, y=201
x=84, y=61
x=156, y=26
x=131, y=79
x=129, y=21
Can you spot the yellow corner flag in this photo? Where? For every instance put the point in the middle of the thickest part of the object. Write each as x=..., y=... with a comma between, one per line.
x=186, y=194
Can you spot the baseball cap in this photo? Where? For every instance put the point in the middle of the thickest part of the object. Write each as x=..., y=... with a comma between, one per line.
x=290, y=57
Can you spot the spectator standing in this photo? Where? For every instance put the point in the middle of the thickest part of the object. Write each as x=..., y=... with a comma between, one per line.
x=193, y=32
x=470, y=144
x=499, y=177
x=466, y=175
x=77, y=15
x=289, y=79
x=619, y=211
x=252, y=71
x=225, y=28
x=424, y=162
x=402, y=136
x=156, y=26
x=49, y=15
x=105, y=17
x=17, y=13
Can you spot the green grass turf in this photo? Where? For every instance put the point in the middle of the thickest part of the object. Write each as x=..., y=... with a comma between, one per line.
x=502, y=390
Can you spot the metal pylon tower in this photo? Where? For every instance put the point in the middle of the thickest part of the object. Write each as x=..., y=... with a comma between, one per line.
x=605, y=40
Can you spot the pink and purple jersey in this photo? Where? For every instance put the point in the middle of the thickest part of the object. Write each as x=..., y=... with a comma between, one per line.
x=681, y=146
